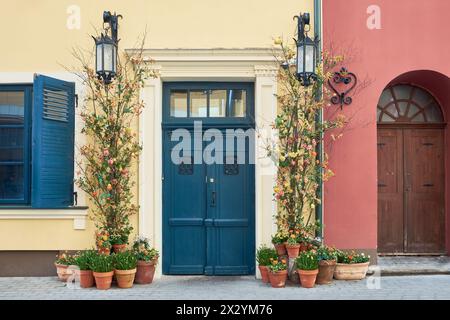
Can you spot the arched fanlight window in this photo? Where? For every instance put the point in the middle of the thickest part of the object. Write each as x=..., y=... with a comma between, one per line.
x=408, y=104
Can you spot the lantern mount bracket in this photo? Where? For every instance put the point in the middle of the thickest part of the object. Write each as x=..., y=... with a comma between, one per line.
x=113, y=21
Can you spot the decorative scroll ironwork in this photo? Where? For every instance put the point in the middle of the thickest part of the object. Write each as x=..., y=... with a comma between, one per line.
x=349, y=80
x=186, y=167
x=231, y=169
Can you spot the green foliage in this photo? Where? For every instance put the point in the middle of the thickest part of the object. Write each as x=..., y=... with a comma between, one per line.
x=105, y=171
x=102, y=263
x=326, y=253
x=301, y=168
x=144, y=251
x=277, y=265
x=65, y=259
x=264, y=255
x=126, y=260
x=84, y=259
x=352, y=257
x=293, y=240
x=280, y=237
x=307, y=260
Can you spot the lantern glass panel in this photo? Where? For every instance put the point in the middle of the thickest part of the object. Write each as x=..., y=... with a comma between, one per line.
x=309, y=59
x=108, y=53
x=114, y=65
x=99, y=57
x=300, y=55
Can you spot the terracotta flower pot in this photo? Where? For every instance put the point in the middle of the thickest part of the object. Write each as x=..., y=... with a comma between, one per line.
x=351, y=271
x=63, y=273
x=125, y=278
x=103, y=279
x=326, y=271
x=278, y=279
x=86, y=278
x=280, y=248
x=119, y=248
x=307, y=277
x=105, y=251
x=293, y=250
x=264, y=270
x=145, y=271
x=304, y=247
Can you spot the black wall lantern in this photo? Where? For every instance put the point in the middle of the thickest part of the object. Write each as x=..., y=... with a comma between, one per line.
x=306, y=51
x=106, y=48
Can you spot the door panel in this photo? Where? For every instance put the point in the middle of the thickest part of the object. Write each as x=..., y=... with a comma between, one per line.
x=424, y=190
x=184, y=213
x=390, y=191
x=232, y=237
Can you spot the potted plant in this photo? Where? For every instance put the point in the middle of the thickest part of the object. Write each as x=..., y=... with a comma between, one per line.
x=125, y=268
x=84, y=261
x=263, y=258
x=102, y=240
x=351, y=266
x=119, y=240
x=278, y=273
x=147, y=260
x=327, y=257
x=307, y=268
x=293, y=244
x=278, y=241
x=103, y=270
x=63, y=261
x=105, y=166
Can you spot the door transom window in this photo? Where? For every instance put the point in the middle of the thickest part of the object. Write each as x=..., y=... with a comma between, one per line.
x=408, y=104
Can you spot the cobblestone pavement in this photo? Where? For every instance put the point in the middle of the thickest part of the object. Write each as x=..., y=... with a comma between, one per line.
x=204, y=288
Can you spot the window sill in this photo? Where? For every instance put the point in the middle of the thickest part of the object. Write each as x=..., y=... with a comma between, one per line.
x=77, y=214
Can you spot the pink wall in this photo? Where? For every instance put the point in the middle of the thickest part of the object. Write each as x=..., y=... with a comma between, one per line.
x=414, y=35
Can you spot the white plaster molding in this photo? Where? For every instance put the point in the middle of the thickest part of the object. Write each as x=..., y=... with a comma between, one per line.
x=266, y=70
x=78, y=215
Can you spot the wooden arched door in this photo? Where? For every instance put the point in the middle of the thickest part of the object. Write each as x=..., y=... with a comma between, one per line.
x=411, y=176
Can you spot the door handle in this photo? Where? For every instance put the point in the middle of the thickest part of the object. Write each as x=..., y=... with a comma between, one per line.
x=213, y=199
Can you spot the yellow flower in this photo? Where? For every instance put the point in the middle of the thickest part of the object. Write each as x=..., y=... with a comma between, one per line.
x=278, y=41
x=282, y=158
x=292, y=154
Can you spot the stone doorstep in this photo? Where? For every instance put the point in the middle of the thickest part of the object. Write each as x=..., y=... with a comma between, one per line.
x=411, y=265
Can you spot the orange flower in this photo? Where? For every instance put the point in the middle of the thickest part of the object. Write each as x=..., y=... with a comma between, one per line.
x=283, y=261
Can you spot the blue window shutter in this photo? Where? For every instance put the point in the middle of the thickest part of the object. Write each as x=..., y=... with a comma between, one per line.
x=52, y=142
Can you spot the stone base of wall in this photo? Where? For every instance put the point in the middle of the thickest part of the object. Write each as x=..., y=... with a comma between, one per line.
x=27, y=263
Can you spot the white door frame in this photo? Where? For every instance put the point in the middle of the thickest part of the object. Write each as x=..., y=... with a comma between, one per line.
x=246, y=65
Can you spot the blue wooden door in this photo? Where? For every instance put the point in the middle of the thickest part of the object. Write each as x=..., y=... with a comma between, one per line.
x=208, y=209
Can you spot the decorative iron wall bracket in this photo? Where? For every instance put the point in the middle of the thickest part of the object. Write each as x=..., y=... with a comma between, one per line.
x=348, y=80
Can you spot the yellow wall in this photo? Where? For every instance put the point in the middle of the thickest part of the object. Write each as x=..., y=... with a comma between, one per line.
x=35, y=36
x=35, y=39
